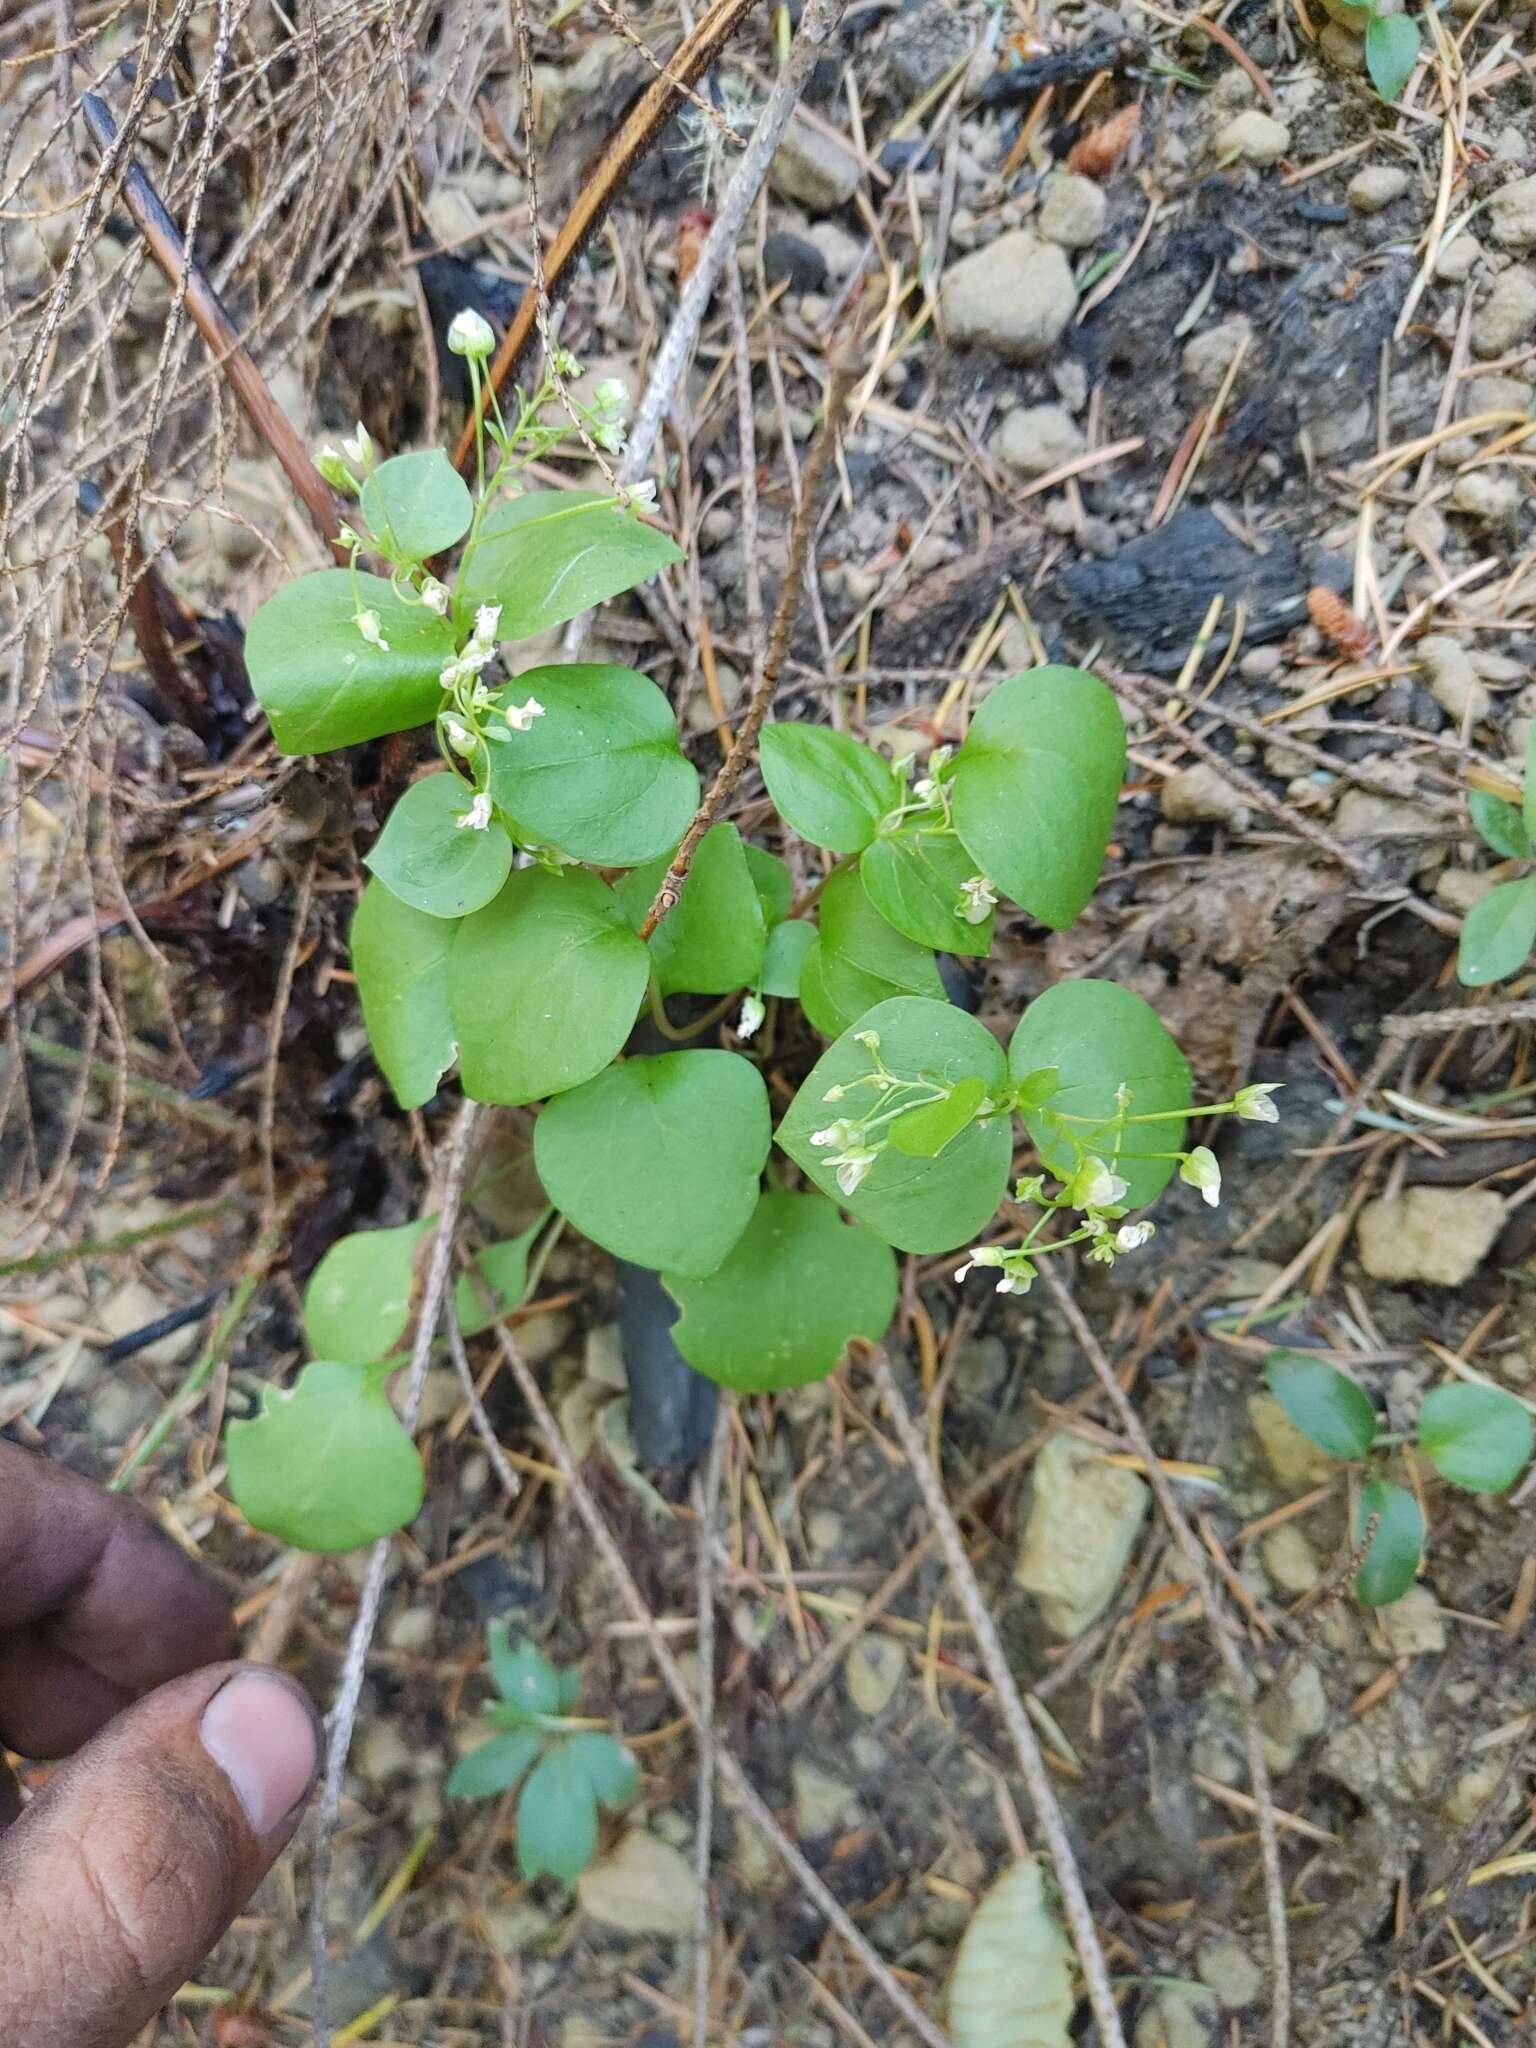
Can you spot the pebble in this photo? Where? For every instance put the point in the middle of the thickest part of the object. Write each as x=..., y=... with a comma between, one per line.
x=1016, y=296
x=1292, y=1715
x=795, y=258
x=1362, y=814
x=1375, y=188
x=1084, y=1518
x=1438, y=1235
x=1208, y=356
x=1498, y=394
x=1512, y=215
x=1180, y=2016
x=1414, y=1625
x=1035, y=438
x=823, y=1802
x=1255, y=136
x=810, y=167
x=1291, y=1560
x=1508, y=314
x=1341, y=48
x=1230, y=1971
x=1473, y=1789
x=841, y=252
x=873, y=1671
x=1458, y=888
x=1453, y=681
x=1294, y=1459
x=1074, y=211
x=1202, y=794
x=1456, y=259
x=644, y=1886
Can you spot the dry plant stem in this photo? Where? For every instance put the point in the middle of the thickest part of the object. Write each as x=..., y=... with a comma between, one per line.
x=1198, y=1566
x=164, y=243
x=839, y=385
x=445, y=1204
x=740, y=1786
x=511, y=1485
x=268, y=1118
x=708, y=1506
x=817, y=22
x=1475, y=1017
x=746, y=450
x=1048, y=1815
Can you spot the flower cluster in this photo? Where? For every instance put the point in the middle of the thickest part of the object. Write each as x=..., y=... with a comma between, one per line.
x=854, y=1142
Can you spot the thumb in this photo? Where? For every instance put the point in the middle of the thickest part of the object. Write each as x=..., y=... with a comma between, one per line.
x=121, y=1876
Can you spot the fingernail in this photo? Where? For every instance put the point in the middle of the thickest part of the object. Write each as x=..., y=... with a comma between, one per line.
x=260, y=1732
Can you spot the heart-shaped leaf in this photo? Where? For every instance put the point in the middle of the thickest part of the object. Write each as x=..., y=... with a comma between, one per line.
x=1012, y=1984
x=358, y=1301
x=416, y=505
x=400, y=958
x=1392, y=1562
x=712, y=940
x=1478, y=1437
x=1498, y=932
x=548, y=555
x=915, y=879
x=430, y=858
x=862, y=960
x=495, y=1767
x=1325, y=1404
x=326, y=1465
x=1391, y=51
x=321, y=684
x=830, y=788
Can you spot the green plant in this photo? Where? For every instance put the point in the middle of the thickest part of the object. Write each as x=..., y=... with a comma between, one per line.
x=1499, y=930
x=531, y=895
x=1478, y=1437
x=1391, y=41
x=567, y=1767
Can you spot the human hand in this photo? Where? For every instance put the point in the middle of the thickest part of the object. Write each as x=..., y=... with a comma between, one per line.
x=124, y=1871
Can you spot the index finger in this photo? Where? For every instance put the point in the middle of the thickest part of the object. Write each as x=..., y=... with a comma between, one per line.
x=97, y=1605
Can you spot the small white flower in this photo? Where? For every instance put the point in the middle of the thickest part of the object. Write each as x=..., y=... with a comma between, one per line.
x=870, y=1040
x=1130, y=1237
x=1093, y=1186
x=983, y=1255
x=749, y=1023
x=835, y=1094
x=924, y=788
x=335, y=471
x=459, y=736
x=1253, y=1104
x=371, y=626
x=358, y=448
x=1200, y=1170
x=610, y=434
x=487, y=620
x=978, y=899
x=841, y=1131
x=521, y=716
x=478, y=816
x=471, y=334
x=1018, y=1279
x=565, y=364
x=1030, y=1189
x=853, y=1166
x=642, y=494
x=611, y=396
x=348, y=537
x=436, y=596
x=1103, y=1253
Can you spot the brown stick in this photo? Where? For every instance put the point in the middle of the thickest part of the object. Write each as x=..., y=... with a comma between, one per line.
x=164, y=242
x=634, y=141
x=839, y=384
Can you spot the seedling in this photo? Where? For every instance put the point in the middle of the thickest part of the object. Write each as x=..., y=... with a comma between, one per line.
x=1476, y=1436
x=1391, y=42
x=1499, y=931
x=567, y=1767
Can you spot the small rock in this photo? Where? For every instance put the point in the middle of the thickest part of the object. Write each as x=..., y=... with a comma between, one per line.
x=1291, y=1560
x=795, y=258
x=1255, y=136
x=1472, y=1791
x=1230, y=1971
x=1208, y=356
x=1074, y=211
x=1453, y=681
x=1084, y=1518
x=841, y=252
x=1016, y=296
x=824, y=1529
x=823, y=1803
x=1291, y=1715
x=1341, y=48
x=1437, y=1235
x=1456, y=259
x=926, y=42
x=810, y=167
x=1179, y=2016
x=1362, y=814
x=1426, y=530
x=382, y=1752
x=1036, y=438
x=873, y=1671
x=1295, y=1460
x=1498, y=394
x=1375, y=188
x=1200, y=795
x=644, y=1886
x=1458, y=888
x=1340, y=427
x=1508, y=314
x=1512, y=215
x=1414, y=1625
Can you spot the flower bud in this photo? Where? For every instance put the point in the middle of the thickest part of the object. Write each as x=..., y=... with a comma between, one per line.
x=471, y=334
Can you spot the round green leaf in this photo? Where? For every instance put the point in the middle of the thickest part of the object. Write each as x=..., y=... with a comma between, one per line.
x=556, y=1818
x=611, y=1771
x=917, y=1204
x=772, y=880
x=524, y=1676
x=430, y=859
x=543, y=986
x=600, y=775
x=784, y=957
x=1035, y=787
x=1098, y=1035
x=326, y=1465
x=658, y=1159
x=358, y=1301
x=1391, y=51
x=832, y=790
x=1392, y=1562
x=493, y=1768
x=416, y=505
x=1499, y=825
x=548, y=555
x=400, y=958
x=322, y=684
x=821, y=1012
x=781, y=1309
x=712, y=940
x=1499, y=930
x=914, y=878
x=1325, y=1404
x=497, y=1282
x=1477, y=1437
x=862, y=960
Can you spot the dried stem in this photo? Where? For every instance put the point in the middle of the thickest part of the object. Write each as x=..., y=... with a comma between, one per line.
x=708, y=1503
x=1026, y=1748
x=839, y=385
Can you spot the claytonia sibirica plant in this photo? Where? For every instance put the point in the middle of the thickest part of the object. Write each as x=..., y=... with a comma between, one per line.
x=1499, y=931
x=506, y=930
